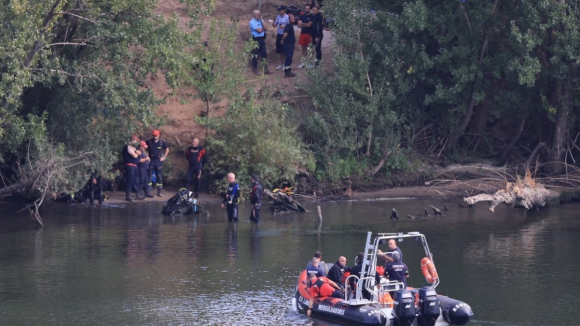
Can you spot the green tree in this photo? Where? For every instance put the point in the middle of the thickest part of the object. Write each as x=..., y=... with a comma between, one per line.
x=73, y=75
x=450, y=76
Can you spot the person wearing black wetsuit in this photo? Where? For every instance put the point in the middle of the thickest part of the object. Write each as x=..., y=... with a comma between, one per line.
x=197, y=157
x=158, y=151
x=130, y=160
x=317, y=33
x=94, y=188
x=232, y=198
x=256, y=199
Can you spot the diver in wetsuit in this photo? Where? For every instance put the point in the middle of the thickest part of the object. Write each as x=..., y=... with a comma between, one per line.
x=197, y=157
x=94, y=188
x=256, y=199
x=232, y=198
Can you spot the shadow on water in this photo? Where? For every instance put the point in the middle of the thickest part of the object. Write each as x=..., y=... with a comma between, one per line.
x=133, y=266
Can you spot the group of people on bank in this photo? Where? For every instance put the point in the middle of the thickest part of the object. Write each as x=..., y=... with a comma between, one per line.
x=143, y=162
x=390, y=265
x=311, y=23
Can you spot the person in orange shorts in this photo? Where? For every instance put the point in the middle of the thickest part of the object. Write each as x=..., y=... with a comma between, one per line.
x=305, y=22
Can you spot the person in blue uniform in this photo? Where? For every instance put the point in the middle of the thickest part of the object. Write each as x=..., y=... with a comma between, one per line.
x=392, y=249
x=232, y=198
x=158, y=152
x=258, y=30
x=397, y=270
x=197, y=157
x=256, y=199
x=314, y=267
x=130, y=159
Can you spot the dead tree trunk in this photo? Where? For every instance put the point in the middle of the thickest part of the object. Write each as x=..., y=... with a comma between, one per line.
x=526, y=195
x=283, y=203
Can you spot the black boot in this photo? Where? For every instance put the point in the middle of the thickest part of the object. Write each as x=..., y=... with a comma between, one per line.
x=128, y=198
x=148, y=192
x=140, y=195
x=288, y=73
x=256, y=72
x=159, y=192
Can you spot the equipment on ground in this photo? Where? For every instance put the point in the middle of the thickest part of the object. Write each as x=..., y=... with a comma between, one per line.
x=183, y=202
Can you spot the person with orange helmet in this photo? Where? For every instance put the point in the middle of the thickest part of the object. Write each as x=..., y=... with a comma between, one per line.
x=158, y=152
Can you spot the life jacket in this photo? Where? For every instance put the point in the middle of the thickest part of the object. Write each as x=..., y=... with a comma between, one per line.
x=322, y=287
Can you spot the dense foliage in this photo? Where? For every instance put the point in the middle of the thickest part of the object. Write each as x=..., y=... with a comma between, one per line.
x=484, y=78
x=494, y=78
x=73, y=78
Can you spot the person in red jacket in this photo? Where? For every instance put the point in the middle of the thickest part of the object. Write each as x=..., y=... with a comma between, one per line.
x=323, y=287
x=197, y=157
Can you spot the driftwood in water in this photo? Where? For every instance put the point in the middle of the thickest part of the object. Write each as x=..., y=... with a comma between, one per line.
x=283, y=203
x=526, y=194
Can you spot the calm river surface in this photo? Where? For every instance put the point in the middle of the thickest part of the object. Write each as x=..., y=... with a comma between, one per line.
x=130, y=265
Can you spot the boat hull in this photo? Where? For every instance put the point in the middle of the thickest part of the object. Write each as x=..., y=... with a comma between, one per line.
x=453, y=311
x=336, y=309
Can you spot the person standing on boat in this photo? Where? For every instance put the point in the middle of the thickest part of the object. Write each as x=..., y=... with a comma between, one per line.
x=315, y=269
x=232, y=198
x=323, y=287
x=337, y=270
x=392, y=249
x=256, y=199
x=397, y=270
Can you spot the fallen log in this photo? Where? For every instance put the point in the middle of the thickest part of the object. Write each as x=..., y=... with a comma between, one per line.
x=520, y=194
x=283, y=203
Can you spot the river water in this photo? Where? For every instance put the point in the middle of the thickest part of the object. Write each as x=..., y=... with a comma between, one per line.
x=130, y=265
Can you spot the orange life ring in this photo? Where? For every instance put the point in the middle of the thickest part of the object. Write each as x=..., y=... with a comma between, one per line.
x=429, y=271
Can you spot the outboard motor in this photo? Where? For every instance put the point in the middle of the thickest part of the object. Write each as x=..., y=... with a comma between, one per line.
x=404, y=310
x=429, y=309
x=454, y=311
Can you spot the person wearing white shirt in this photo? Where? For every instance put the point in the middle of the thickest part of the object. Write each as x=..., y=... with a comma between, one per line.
x=280, y=22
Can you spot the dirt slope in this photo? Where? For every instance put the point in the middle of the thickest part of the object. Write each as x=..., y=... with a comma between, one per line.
x=180, y=110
